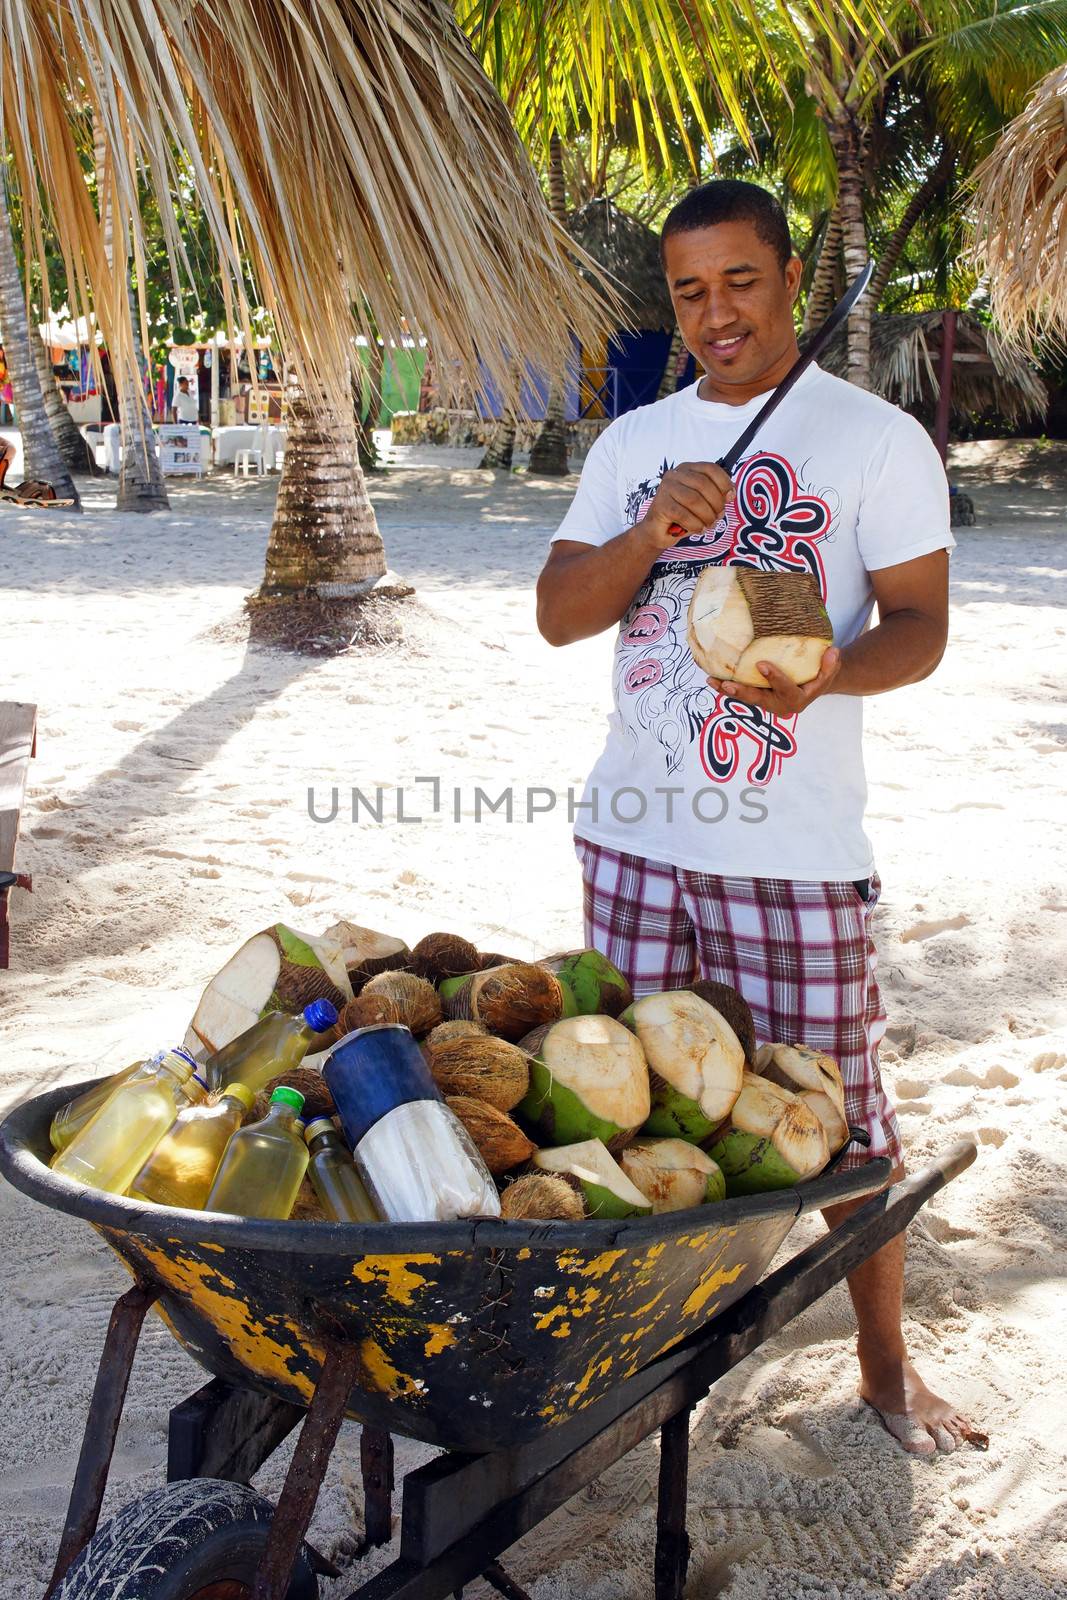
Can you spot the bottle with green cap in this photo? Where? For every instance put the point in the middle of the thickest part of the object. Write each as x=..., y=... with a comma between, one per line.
x=182, y=1167
x=270, y=1048
x=117, y=1140
x=264, y=1164
x=334, y=1177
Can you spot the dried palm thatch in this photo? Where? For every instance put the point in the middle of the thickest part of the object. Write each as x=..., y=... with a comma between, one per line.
x=629, y=254
x=1021, y=221
x=987, y=375
x=353, y=149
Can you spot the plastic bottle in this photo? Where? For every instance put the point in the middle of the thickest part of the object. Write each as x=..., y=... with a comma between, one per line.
x=182, y=1167
x=264, y=1164
x=72, y=1117
x=417, y=1160
x=334, y=1177
x=118, y=1139
x=269, y=1048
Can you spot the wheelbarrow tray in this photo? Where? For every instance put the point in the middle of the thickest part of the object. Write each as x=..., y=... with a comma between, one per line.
x=470, y=1335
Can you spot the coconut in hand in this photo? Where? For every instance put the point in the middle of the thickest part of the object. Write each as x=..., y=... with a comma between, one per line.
x=416, y=1159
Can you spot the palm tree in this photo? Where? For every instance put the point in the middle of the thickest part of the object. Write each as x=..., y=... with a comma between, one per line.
x=40, y=454
x=1021, y=221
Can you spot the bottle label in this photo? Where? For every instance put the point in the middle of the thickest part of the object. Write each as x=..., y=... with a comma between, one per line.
x=372, y=1072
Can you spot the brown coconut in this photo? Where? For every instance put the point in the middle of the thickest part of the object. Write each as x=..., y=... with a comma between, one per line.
x=500, y=1141
x=489, y=959
x=310, y=1082
x=307, y=1207
x=444, y=955
x=510, y=1000
x=540, y=1197
x=482, y=1067
x=447, y=1031
x=734, y=1009
x=738, y=616
x=367, y=1011
x=417, y=1001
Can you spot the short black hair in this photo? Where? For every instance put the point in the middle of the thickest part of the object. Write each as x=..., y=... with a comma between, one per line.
x=732, y=200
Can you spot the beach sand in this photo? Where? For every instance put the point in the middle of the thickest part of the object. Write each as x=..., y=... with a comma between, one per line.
x=167, y=818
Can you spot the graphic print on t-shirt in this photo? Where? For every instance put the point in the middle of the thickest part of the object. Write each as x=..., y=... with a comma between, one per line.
x=772, y=523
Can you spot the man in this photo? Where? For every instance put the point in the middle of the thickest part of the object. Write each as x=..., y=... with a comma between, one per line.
x=186, y=406
x=721, y=830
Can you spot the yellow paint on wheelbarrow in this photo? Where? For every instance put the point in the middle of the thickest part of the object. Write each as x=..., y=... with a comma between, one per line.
x=252, y=1342
x=710, y=1284
x=383, y=1376
x=396, y=1273
x=439, y=1337
x=574, y=1261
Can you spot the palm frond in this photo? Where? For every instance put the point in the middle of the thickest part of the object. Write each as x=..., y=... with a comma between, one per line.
x=354, y=148
x=1021, y=217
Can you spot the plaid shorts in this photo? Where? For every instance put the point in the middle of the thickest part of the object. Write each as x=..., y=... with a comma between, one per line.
x=800, y=953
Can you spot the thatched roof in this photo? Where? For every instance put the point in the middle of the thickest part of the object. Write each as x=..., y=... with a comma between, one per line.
x=986, y=374
x=1021, y=216
x=629, y=252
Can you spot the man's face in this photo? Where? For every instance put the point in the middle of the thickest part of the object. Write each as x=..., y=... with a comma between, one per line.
x=734, y=303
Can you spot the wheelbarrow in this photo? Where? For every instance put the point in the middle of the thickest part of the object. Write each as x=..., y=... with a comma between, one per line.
x=532, y=1354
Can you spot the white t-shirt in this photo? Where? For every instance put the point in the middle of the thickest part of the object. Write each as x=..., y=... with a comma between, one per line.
x=838, y=483
x=186, y=406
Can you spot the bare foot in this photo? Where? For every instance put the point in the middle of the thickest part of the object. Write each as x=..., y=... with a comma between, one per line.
x=916, y=1417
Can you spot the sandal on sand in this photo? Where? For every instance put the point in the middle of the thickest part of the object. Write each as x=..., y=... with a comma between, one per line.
x=33, y=492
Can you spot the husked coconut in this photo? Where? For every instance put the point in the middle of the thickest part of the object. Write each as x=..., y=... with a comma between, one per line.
x=444, y=955
x=588, y=1079
x=696, y=1061
x=318, y=1102
x=733, y=1006
x=307, y=1206
x=833, y=1122
x=738, y=616
x=509, y=1000
x=493, y=958
x=592, y=985
x=798, y=1066
x=417, y=1001
x=771, y=1141
x=365, y=952
x=277, y=969
x=368, y=1011
x=501, y=1142
x=539, y=1197
x=673, y=1173
x=484, y=1067
x=594, y=1173
x=445, y=1031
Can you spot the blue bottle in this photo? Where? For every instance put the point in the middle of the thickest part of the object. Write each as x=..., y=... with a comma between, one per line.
x=417, y=1160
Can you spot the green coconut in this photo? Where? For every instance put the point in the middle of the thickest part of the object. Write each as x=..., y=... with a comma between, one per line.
x=588, y=1080
x=771, y=1141
x=277, y=969
x=591, y=984
x=593, y=1172
x=696, y=1062
x=673, y=1173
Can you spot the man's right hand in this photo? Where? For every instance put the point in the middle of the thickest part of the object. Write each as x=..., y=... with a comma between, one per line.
x=690, y=498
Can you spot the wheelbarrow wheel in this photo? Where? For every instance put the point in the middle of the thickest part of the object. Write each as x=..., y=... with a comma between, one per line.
x=197, y=1539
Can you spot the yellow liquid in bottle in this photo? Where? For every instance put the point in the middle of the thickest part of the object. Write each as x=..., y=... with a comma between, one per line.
x=182, y=1167
x=334, y=1178
x=115, y=1144
x=269, y=1049
x=71, y=1118
x=263, y=1167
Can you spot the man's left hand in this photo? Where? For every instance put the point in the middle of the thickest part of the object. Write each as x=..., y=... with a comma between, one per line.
x=784, y=697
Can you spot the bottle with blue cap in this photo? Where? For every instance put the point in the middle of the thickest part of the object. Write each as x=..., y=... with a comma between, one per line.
x=417, y=1160
x=116, y=1142
x=270, y=1048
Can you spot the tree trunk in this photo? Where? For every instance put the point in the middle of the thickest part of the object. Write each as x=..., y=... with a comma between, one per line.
x=846, y=141
x=548, y=457
x=324, y=540
x=40, y=453
x=822, y=294
x=922, y=197
x=673, y=369
x=72, y=447
x=501, y=447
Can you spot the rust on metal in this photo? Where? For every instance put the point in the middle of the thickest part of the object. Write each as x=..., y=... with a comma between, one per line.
x=101, y=1427
x=376, y=1463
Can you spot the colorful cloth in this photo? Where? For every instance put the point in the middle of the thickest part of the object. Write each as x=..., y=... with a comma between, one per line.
x=801, y=954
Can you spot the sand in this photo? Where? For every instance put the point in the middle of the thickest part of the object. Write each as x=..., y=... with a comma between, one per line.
x=167, y=817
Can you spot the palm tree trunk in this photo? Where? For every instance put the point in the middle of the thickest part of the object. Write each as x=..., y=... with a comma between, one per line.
x=40, y=453
x=324, y=540
x=500, y=450
x=669, y=381
x=548, y=457
x=822, y=294
x=846, y=142
x=922, y=197
x=72, y=447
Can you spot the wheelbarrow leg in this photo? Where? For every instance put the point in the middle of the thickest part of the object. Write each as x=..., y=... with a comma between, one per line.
x=101, y=1427
x=376, y=1462
x=672, y=1540
x=307, y=1470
